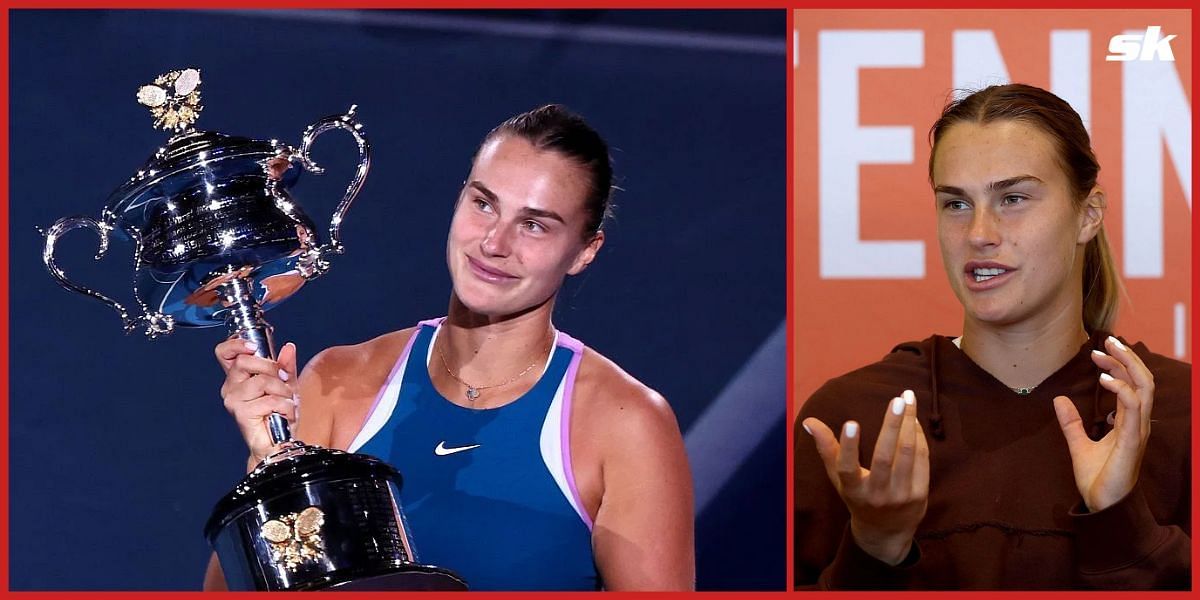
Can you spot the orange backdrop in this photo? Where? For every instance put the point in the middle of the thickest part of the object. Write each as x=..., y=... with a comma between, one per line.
x=868, y=84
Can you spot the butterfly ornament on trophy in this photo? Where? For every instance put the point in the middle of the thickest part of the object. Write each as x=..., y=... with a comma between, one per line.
x=295, y=538
x=173, y=99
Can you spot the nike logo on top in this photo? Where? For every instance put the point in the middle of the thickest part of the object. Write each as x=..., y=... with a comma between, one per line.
x=442, y=450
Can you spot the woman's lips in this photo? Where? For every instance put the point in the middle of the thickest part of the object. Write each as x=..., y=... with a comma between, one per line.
x=981, y=276
x=489, y=274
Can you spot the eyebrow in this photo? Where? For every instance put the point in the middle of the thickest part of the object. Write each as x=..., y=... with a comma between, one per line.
x=525, y=211
x=483, y=189
x=991, y=187
x=545, y=214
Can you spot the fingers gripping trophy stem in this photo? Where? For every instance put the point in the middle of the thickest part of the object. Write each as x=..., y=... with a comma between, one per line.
x=245, y=318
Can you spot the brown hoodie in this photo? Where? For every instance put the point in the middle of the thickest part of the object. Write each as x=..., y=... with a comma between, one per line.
x=1004, y=511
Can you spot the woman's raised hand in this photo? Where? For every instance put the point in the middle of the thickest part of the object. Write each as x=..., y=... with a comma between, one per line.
x=255, y=387
x=1106, y=470
x=887, y=501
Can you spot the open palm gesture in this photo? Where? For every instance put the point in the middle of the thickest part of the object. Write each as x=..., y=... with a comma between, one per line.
x=887, y=501
x=1106, y=470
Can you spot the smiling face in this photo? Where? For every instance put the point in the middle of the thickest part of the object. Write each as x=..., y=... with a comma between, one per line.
x=518, y=228
x=1011, y=235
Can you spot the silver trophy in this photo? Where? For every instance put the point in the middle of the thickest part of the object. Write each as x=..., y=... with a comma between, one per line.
x=218, y=240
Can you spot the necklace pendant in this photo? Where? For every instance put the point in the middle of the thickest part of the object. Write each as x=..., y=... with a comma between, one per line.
x=1023, y=391
x=472, y=393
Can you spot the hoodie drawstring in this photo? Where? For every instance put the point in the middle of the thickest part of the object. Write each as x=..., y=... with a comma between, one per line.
x=1099, y=420
x=935, y=412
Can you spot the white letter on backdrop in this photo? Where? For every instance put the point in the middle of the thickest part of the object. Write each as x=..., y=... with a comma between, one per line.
x=1155, y=110
x=843, y=145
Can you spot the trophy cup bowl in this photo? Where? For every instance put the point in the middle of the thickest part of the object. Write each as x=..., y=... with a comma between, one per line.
x=219, y=239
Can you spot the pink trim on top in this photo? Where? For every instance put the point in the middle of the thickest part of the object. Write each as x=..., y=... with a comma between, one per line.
x=432, y=322
x=576, y=347
x=395, y=369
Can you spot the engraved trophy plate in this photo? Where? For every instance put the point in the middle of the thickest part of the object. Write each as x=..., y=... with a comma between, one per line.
x=218, y=239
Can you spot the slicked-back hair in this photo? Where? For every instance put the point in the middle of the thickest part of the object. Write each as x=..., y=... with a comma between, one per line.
x=555, y=128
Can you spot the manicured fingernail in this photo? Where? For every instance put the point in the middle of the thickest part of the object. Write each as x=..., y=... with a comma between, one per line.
x=283, y=375
x=251, y=346
x=1098, y=353
x=851, y=429
x=1106, y=377
x=909, y=397
x=805, y=426
x=897, y=406
x=1117, y=343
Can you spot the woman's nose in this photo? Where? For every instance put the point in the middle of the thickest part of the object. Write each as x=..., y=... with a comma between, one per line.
x=984, y=229
x=497, y=241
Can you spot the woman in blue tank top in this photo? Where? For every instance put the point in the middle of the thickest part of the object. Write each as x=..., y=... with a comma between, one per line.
x=530, y=462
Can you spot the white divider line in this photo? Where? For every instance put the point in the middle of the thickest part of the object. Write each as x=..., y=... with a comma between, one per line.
x=738, y=419
x=1180, y=331
x=603, y=34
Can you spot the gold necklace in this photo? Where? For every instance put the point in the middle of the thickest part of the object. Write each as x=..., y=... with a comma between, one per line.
x=473, y=390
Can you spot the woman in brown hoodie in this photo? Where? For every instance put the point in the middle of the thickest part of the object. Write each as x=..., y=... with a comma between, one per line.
x=1019, y=454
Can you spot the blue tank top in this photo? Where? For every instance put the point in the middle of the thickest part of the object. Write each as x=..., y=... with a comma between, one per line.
x=489, y=494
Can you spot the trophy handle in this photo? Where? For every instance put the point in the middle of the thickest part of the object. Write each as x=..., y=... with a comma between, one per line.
x=156, y=323
x=348, y=123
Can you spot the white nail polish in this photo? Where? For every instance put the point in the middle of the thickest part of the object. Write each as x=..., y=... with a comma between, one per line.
x=805, y=426
x=1106, y=377
x=897, y=406
x=283, y=375
x=851, y=429
x=909, y=397
x=1098, y=353
x=1117, y=343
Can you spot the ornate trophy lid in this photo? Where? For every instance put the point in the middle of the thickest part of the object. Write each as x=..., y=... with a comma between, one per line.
x=174, y=102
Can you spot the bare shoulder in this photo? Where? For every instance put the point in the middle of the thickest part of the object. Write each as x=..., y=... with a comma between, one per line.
x=634, y=477
x=339, y=383
x=611, y=402
x=336, y=361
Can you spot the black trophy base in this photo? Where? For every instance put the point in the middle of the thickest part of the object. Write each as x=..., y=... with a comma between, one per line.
x=312, y=518
x=407, y=577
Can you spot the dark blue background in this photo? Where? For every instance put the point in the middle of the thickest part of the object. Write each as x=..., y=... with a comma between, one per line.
x=120, y=445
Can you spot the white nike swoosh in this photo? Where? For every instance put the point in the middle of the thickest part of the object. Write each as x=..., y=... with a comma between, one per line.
x=442, y=450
